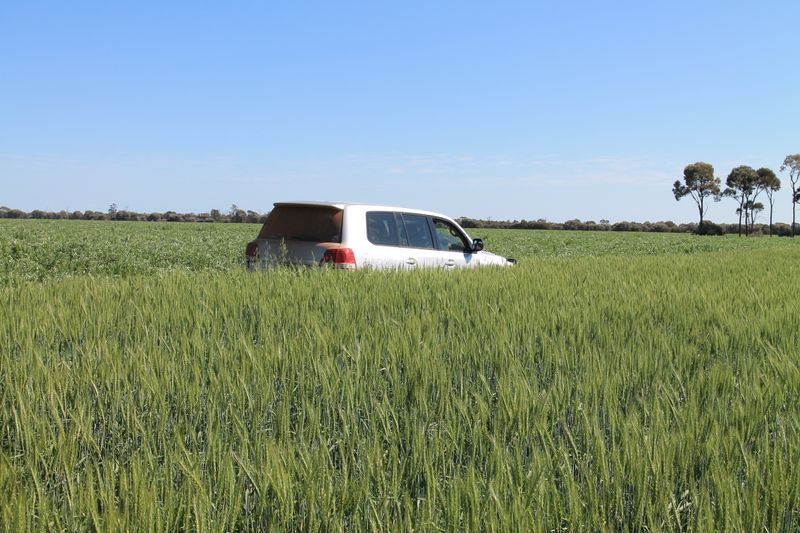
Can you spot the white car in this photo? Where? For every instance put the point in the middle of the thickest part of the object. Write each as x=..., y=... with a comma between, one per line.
x=354, y=236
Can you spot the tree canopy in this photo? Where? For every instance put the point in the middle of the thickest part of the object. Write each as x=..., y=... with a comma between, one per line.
x=771, y=185
x=769, y=179
x=792, y=164
x=699, y=183
x=742, y=183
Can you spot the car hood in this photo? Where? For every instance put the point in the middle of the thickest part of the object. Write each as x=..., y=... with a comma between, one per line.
x=494, y=259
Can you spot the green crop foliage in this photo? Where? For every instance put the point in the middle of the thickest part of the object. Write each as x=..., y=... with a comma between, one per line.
x=51, y=249
x=42, y=250
x=626, y=384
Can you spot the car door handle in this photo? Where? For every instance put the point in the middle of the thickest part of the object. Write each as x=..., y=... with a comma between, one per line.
x=411, y=261
x=450, y=262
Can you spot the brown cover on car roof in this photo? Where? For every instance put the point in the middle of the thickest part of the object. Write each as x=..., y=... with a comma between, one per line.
x=303, y=222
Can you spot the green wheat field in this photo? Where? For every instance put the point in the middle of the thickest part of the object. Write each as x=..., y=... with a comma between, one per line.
x=608, y=382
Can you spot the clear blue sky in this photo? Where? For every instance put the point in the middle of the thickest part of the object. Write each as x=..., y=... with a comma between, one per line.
x=507, y=110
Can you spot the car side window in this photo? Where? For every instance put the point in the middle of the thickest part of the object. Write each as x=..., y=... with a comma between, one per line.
x=418, y=231
x=449, y=238
x=386, y=229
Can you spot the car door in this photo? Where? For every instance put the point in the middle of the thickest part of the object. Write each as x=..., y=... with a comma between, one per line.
x=421, y=250
x=388, y=243
x=453, y=247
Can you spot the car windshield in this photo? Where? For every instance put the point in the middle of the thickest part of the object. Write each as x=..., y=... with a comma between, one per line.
x=303, y=223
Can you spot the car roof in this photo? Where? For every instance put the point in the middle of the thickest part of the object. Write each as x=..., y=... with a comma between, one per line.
x=376, y=207
x=337, y=205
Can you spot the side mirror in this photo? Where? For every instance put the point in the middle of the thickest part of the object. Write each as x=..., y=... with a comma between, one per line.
x=477, y=245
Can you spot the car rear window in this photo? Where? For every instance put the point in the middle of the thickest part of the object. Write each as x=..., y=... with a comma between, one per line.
x=418, y=230
x=303, y=223
x=386, y=229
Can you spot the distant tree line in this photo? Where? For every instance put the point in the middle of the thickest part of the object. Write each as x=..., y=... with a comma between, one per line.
x=234, y=214
x=744, y=185
x=237, y=215
x=708, y=227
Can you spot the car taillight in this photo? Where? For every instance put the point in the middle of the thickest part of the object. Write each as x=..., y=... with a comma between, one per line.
x=252, y=249
x=340, y=257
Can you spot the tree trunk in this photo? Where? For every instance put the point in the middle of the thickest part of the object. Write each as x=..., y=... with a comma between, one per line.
x=746, y=222
x=700, y=208
x=770, y=218
x=740, y=220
